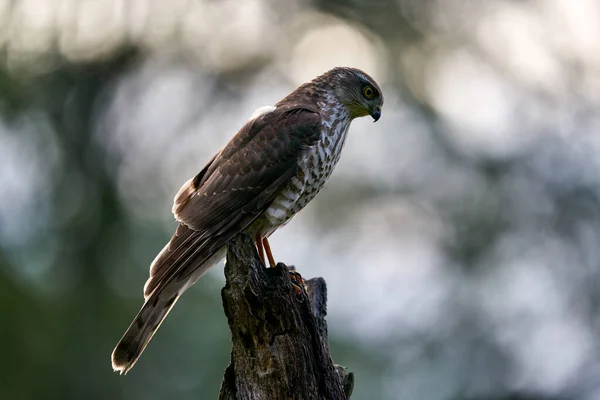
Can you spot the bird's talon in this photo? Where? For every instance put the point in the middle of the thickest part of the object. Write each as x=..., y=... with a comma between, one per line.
x=297, y=282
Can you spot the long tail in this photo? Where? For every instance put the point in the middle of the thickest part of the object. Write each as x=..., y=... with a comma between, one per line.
x=141, y=330
x=183, y=260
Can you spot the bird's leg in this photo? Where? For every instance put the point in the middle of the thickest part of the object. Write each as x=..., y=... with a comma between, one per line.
x=297, y=280
x=259, y=247
x=268, y=251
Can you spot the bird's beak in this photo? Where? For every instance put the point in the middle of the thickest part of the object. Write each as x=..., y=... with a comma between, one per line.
x=376, y=113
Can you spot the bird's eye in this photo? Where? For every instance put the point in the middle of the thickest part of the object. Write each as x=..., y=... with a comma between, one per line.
x=368, y=92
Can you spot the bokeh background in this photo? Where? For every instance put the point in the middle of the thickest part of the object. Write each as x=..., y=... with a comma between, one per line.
x=459, y=235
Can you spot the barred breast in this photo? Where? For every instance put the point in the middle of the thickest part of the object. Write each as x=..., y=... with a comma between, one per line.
x=315, y=167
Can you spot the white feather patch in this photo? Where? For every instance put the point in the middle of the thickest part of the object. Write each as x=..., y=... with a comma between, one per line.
x=261, y=111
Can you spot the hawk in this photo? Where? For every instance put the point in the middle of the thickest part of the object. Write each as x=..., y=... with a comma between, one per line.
x=270, y=170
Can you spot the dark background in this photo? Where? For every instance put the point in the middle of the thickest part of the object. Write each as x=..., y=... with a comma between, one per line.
x=458, y=236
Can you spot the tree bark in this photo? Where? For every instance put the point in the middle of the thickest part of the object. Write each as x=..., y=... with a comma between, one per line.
x=279, y=335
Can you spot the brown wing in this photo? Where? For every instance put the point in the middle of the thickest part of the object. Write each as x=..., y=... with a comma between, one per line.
x=234, y=189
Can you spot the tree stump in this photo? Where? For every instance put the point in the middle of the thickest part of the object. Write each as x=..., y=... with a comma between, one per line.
x=279, y=336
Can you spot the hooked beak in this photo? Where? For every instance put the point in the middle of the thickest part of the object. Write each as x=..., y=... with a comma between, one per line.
x=376, y=113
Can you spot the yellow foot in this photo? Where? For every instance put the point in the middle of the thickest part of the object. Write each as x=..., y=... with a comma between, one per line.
x=297, y=281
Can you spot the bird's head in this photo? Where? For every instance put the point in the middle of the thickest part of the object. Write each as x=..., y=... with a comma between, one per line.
x=357, y=91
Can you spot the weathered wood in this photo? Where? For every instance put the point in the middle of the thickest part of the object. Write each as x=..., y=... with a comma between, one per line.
x=279, y=337
x=317, y=296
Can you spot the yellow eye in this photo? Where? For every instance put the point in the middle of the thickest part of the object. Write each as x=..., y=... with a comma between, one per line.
x=368, y=92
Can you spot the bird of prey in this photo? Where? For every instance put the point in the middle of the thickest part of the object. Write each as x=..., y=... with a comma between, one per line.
x=270, y=170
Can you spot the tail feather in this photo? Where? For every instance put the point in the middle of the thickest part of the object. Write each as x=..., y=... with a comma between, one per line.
x=181, y=249
x=141, y=330
x=186, y=257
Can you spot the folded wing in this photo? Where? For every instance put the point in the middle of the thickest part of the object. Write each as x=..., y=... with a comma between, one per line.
x=233, y=189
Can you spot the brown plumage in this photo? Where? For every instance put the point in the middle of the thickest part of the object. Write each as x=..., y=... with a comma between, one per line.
x=270, y=169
